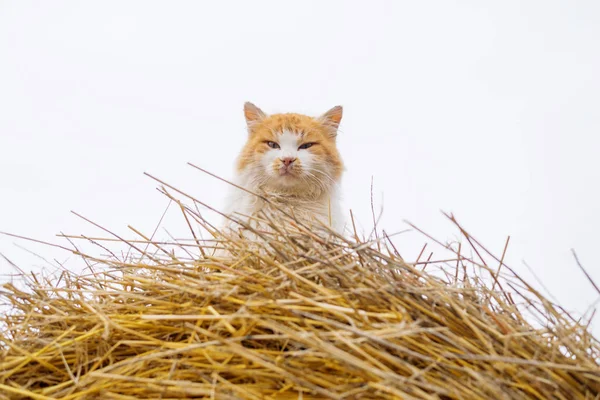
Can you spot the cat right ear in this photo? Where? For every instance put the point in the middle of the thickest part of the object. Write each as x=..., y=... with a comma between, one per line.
x=331, y=119
x=253, y=114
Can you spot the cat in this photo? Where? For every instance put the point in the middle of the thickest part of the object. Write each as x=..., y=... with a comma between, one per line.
x=293, y=161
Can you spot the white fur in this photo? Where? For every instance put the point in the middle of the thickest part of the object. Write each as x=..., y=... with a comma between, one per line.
x=262, y=178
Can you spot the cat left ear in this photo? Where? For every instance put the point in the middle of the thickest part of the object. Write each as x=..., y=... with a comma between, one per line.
x=332, y=119
x=253, y=114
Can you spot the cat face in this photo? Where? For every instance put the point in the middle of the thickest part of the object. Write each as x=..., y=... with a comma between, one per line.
x=291, y=153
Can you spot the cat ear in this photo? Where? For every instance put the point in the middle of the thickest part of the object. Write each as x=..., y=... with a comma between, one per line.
x=253, y=114
x=332, y=119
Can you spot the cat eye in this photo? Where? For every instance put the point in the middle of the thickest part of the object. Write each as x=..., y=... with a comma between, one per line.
x=305, y=146
x=273, y=145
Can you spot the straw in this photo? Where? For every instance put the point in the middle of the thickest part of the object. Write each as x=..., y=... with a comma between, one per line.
x=292, y=311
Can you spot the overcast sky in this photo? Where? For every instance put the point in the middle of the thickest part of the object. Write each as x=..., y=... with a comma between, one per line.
x=486, y=109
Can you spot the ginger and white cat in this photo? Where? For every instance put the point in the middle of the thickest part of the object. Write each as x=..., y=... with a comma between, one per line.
x=292, y=160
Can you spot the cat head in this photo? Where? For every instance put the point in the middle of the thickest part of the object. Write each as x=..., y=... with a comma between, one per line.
x=291, y=153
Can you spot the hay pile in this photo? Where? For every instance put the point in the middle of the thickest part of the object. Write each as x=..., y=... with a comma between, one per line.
x=300, y=315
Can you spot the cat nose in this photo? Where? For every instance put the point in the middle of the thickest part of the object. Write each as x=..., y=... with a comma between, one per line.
x=287, y=161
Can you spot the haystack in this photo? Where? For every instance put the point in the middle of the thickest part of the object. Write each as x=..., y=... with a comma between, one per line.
x=297, y=313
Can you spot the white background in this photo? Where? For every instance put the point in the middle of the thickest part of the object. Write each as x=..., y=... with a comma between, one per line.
x=486, y=109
